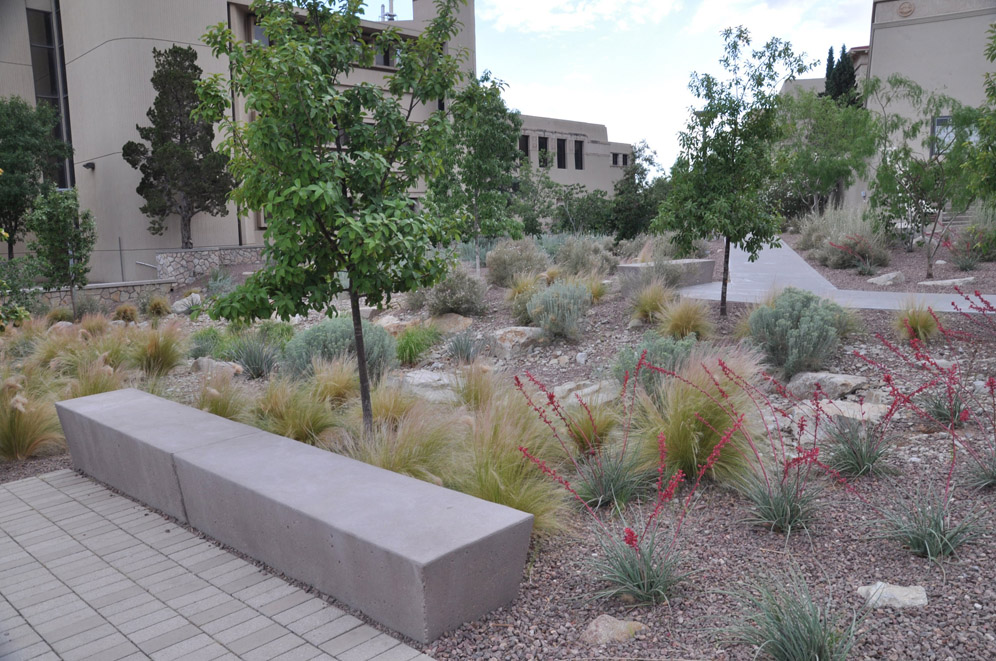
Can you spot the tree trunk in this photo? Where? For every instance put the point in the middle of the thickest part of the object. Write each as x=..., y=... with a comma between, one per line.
x=477, y=241
x=10, y=250
x=361, y=363
x=185, y=241
x=726, y=278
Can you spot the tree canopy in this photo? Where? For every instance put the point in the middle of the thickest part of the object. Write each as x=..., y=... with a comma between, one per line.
x=331, y=164
x=638, y=194
x=182, y=174
x=984, y=157
x=720, y=180
x=29, y=152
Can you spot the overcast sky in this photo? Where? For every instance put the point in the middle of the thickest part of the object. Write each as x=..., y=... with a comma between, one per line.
x=626, y=63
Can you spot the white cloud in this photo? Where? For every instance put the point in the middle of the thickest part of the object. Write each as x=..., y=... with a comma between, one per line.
x=556, y=16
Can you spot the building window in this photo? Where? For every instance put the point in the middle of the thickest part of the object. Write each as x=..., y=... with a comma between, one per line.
x=579, y=154
x=256, y=33
x=544, y=152
x=48, y=68
x=625, y=160
x=615, y=159
x=943, y=132
x=386, y=57
x=524, y=145
x=441, y=105
x=561, y=154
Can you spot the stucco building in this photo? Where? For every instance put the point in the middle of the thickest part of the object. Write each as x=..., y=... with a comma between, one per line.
x=574, y=152
x=92, y=59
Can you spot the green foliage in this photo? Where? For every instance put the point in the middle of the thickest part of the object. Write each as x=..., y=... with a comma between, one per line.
x=510, y=258
x=414, y=341
x=560, y=309
x=924, y=171
x=220, y=283
x=783, y=620
x=63, y=239
x=590, y=426
x=255, y=352
x=783, y=504
x=207, y=342
x=583, y=255
x=459, y=292
x=945, y=407
x=855, y=448
x=331, y=164
x=18, y=293
x=719, y=183
x=88, y=305
x=664, y=352
x=647, y=574
x=30, y=154
x=476, y=183
x=333, y=338
x=798, y=332
x=915, y=320
x=983, y=163
x=579, y=210
x=182, y=174
x=925, y=525
x=685, y=317
x=854, y=251
x=276, y=332
x=535, y=197
x=637, y=196
x=840, y=83
x=523, y=287
x=612, y=478
x=465, y=348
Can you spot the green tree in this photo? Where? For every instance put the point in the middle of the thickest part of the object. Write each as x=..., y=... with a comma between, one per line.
x=983, y=169
x=478, y=183
x=331, y=164
x=719, y=183
x=823, y=146
x=182, y=174
x=63, y=240
x=581, y=211
x=534, y=197
x=841, y=79
x=29, y=154
x=638, y=194
x=924, y=171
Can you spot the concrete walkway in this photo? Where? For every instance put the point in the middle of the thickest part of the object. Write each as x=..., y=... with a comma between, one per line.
x=777, y=268
x=88, y=574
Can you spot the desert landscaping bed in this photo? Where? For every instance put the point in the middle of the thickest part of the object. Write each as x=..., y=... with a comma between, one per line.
x=838, y=553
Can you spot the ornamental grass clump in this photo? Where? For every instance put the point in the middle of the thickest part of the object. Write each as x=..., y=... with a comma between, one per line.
x=414, y=341
x=290, y=409
x=585, y=254
x=334, y=381
x=94, y=377
x=465, y=348
x=156, y=351
x=665, y=352
x=857, y=447
x=522, y=288
x=916, y=320
x=782, y=619
x=255, y=351
x=220, y=395
x=684, y=317
x=798, y=332
x=648, y=302
x=926, y=524
x=28, y=422
x=560, y=310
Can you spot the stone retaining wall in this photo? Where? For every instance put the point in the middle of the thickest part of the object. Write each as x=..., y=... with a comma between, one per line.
x=185, y=266
x=111, y=294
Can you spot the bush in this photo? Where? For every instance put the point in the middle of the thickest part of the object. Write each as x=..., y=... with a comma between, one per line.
x=88, y=305
x=158, y=307
x=126, y=312
x=58, y=315
x=612, y=478
x=693, y=412
x=156, y=351
x=664, y=352
x=220, y=283
x=926, y=527
x=257, y=355
x=460, y=292
x=863, y=252
x=28, y=424
x=784, y=504
x=648, y=302
x=333, y=338
x=19, y=275
x=511, y=257
x=278, y=333
x=523, y=287
x=686, y=317
x=465, y=348
x=644, y=570
x=583, y=254
x=798, y=332
x=414, y=341
x=783, y=620
x=916, y=320
x=854, y=448
x=560, y=309
x=208, y=342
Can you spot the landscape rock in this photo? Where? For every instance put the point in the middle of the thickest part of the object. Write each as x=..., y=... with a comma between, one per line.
x=212, y=367
x=590, y=392
x=833, y=386
x=451, y=323
x=512, y=340
x=60, y=326
x=582, y=358
x=871, y=413
x=954, y=282
x=432, y=386
x=393, y=325
x=367, y=312
x=886, y=595
x=607, y=629
x=184, y=304
x=888, y=279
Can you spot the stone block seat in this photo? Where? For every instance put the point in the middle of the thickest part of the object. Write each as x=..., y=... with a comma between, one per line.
x=418, y=558
x=690, y=272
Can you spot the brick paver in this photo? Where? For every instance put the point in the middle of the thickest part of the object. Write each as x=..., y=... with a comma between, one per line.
x=88, y=574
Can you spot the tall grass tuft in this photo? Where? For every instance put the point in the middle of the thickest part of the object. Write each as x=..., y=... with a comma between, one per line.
x=925, y=525
x=414, y=341
x=334, y=381
x=521, y=289
x=288, y=409
x=649, y=301
x=916, y=321
x=856, y=448
x=95, y=324
x=686, y=317
x=156, y=351
x=476, y=386
x=221, y=396
x=28, y=425
x=465, y=348
x=255, y=352
x=94, y=377
x=591, y=425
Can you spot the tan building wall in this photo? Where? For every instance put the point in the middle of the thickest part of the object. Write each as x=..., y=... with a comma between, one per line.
x=601, y=161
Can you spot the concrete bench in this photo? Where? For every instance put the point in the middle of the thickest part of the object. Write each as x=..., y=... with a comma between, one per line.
x=690, y=272
x=416, y=557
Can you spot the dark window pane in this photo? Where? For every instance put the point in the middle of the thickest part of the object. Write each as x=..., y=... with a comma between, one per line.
x=579, y=154
x=43, y=67
x=561, y=154
x=625, y=160
x=524, y=145
x=39, y=28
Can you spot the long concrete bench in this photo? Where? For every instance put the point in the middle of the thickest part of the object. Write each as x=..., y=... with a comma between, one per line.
x=690, y=272
x=416, y=557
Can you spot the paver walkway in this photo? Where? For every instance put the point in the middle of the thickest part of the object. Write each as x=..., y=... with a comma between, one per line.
x=88, y=574
x=777, y=268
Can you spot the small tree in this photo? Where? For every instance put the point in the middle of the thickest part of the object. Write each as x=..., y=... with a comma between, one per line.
x=182, y=174
x=581, y=211
x=331, y=164
x=478, y=184
x=63, y=240
x=719, y=182
x=924, y=170
x=841, y=79
x=638, y=194
x=824, y=145
x=984, y=156
x=534, y=196
x=29, y=152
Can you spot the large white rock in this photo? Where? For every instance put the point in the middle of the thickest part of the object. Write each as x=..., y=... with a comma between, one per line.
x=184, y=304
x=954, y=282
x=888, y=279
x=210, y=366
x=451, y=323
x=431, y=386
x=590, y=392
x=393, y=325
x=886, y=595
x=607, y=629
x=870, y=413
x=512, y=340
x=833, y=386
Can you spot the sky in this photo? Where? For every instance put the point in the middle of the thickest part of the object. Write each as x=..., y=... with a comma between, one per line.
x=627, y=63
